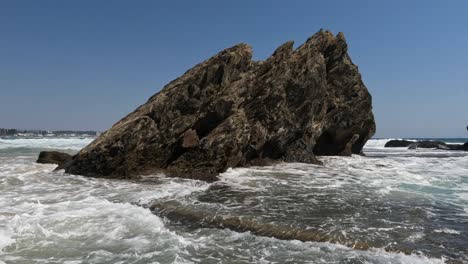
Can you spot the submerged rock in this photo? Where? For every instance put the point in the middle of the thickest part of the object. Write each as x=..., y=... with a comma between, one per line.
x=230, y=111
x=53, y=157
x=180, y=213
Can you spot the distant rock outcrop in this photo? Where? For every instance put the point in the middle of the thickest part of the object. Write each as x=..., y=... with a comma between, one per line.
x=425, y=144
x=396, y=143
x=428, y=144
x=53, y=157
x=463, y=147
x=230, y=111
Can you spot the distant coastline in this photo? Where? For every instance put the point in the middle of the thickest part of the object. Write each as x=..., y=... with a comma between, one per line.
x=28, y=133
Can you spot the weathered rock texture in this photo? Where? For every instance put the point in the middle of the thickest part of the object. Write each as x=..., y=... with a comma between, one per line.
x=53, y=157
x=230, y=111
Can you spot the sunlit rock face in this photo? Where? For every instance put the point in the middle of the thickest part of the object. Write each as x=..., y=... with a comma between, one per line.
x=230, y=111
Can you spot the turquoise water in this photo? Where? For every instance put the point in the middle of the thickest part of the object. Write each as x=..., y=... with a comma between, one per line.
x=396, y=200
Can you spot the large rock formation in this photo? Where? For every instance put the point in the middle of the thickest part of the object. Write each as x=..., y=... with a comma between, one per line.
x=230, y=111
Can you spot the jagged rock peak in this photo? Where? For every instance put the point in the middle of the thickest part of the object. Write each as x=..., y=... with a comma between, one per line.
x=230, y=111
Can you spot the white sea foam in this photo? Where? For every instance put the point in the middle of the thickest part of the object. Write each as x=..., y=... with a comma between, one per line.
x=52, y=143
x=447, y=231
x=376, y=143
x=66, y=216
x=380, y=142
x=71, y=218
x=381, y=256
x=5, y=236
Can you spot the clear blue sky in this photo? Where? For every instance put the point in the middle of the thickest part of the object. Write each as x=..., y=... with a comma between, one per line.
x=85, y=64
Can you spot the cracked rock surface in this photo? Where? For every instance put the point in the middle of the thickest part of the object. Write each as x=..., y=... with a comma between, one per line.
x=231, y=111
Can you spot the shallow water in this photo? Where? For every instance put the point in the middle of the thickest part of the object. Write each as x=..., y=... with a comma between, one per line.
x=414, y=201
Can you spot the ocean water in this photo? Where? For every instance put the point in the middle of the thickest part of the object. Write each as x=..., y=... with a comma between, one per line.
x=409, y=206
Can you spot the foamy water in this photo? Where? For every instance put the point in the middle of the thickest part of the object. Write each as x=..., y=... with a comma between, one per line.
x=45, y=143
x=415, y=201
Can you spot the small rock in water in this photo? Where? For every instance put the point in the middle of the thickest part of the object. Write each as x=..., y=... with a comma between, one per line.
x=395, y=143
x=53, y=157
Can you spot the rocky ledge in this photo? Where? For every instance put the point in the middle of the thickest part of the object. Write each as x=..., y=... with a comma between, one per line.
x=231, y=111
x=425, y=144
